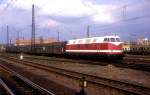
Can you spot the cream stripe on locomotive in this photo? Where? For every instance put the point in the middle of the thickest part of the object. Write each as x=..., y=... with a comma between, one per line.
x=93, y=50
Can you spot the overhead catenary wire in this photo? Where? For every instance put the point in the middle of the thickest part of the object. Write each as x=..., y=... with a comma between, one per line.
x=7, y=6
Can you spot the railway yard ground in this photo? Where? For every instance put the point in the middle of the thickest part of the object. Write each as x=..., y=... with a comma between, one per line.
x=63, y=76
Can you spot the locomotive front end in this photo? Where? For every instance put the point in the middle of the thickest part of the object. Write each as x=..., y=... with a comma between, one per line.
x=114, y=47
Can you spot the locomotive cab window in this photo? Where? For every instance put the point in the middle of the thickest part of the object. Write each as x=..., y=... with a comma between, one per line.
x=106, y=39
x=117, y=40
x=112, y=39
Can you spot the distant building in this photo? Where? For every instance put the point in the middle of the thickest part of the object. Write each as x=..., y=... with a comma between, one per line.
x=126, y=46
x=140, y=44
x=37, y=41
x=143, y=41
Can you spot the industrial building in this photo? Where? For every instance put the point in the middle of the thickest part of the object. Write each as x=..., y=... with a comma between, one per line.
x=23, y=41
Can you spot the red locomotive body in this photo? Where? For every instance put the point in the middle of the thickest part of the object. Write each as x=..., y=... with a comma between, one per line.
x=96, y=46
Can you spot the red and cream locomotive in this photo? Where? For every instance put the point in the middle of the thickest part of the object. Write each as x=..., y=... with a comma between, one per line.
x=109, y=46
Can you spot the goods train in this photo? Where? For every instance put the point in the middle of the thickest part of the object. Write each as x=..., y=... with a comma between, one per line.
x=106, y=46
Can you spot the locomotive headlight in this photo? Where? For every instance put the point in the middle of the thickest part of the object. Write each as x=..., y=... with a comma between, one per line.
x=21, y=57
x=43, y=48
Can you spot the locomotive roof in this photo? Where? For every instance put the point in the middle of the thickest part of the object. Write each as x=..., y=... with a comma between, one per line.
x=90, y=40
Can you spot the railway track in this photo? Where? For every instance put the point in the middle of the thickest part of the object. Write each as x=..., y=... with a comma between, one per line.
x=136, y=64
x=128, y=59
x=137, y=59
x=138, y=56
x=131, y=88
x=19, y=85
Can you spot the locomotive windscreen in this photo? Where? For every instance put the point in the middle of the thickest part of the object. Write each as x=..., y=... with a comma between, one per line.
x=112, y=39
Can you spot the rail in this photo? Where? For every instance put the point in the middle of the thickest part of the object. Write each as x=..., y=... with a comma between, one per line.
x=122, y=85
x=9, y=91
x=25, y=80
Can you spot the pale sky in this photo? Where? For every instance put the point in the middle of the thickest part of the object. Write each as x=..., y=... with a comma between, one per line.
x=129, y=19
